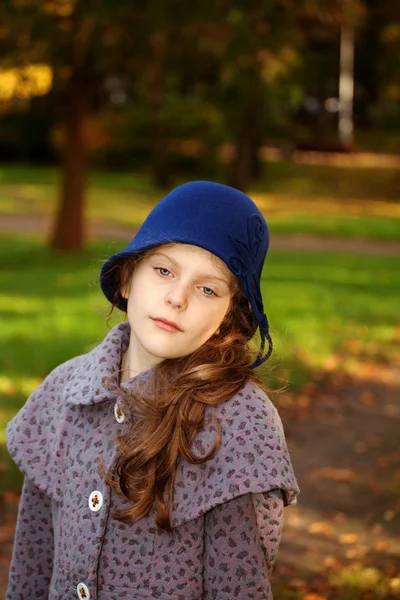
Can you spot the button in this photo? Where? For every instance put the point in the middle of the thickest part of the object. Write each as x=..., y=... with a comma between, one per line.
x=83, y=592
x=95, y=501
x=119, y=415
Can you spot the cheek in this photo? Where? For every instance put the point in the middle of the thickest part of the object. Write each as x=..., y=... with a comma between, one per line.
x=223, y=309
x=211, y=319
x=139, y=293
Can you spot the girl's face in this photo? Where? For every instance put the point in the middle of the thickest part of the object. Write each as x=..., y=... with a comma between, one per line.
x=183, y=284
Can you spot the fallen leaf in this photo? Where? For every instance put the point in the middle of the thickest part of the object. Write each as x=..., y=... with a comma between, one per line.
x=357, y=552
x=339, y=517
x=12, y=497
x=389, y=459
x=348, y=538
x=360, y=447
x=377, y=528
x=368, y=397
x=333, y=473
x=330, y=561
x=381, y=545
x=298, y=583
x=321, y=527
x=303, y=401
x=394, y=584
x=374, y=440
x=388, y=515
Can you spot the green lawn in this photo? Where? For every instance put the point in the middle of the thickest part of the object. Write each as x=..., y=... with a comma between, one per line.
x=318, y=306
x=307, y=199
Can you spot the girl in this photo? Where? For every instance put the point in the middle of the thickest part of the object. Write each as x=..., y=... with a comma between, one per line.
x=155, y=465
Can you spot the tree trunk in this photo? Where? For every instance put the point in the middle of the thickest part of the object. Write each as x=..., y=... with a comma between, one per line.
x=160, y=167
x=69, y=228
x=241, y=165
x=245, y=166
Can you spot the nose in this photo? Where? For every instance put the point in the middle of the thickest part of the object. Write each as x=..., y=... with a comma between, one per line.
x=177, y=297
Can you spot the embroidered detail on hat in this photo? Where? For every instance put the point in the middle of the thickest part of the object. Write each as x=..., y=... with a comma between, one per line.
x=244, y=263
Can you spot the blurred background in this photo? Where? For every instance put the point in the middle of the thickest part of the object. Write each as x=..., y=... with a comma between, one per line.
x=104, y=107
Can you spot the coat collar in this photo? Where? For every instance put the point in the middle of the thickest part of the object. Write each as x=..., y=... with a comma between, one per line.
x=99, y=367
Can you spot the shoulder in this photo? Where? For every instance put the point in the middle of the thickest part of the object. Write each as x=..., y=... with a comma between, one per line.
x=252, y=456
x=253, y=436
x=246, y=417
x=31, y=436
x=53, y=384
x=248, y=412
x=49, y=390
x=61, y=375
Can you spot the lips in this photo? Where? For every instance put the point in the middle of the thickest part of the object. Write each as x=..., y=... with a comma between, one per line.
x=170, y=323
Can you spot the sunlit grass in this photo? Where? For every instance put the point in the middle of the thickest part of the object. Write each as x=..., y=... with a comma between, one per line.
x=317, y=302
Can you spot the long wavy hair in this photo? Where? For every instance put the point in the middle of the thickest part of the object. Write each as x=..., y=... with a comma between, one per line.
x=170, y=412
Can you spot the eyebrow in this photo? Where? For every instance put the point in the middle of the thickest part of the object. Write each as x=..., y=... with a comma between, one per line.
x=205, y=275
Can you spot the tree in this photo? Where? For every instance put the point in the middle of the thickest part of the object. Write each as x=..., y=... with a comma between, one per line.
x=84, y=42
x=231, y=56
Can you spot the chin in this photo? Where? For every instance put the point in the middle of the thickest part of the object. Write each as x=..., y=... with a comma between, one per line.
x=160, y=352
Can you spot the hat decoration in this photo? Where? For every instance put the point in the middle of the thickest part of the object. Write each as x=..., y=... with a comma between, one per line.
x=242, y=265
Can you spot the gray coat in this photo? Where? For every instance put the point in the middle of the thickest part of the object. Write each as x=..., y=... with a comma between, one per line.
x=227, y=513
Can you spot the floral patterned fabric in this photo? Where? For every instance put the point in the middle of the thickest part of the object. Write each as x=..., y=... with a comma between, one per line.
x=227, y=513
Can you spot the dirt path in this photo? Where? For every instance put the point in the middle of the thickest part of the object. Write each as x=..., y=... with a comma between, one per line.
x=10, y=223
x=345, y=449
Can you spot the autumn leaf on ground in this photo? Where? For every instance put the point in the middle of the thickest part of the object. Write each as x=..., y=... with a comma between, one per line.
x=333, y=473
x=6, y=533
x=348, y=538
x=388, y=460
x=394, y=584
x=368, y=397
x=381, y=545
x=331, y=562
x=321, y=527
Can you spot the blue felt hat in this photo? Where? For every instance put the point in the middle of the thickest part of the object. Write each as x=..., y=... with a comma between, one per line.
x=219, y=219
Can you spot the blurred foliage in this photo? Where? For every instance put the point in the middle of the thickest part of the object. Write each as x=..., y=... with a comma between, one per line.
x=25, y=82
x=168, y=84
x=164, y=87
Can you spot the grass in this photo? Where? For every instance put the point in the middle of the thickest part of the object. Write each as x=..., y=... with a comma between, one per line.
x=302, y=199
x=52, y=309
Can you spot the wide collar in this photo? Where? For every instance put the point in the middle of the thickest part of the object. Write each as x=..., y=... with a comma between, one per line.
x=100, y=367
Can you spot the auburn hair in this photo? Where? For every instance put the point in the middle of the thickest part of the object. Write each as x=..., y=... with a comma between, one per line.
x=170, y=412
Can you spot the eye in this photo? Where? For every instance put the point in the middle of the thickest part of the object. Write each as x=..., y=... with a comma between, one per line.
x=209, y=290
x=159, y=269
